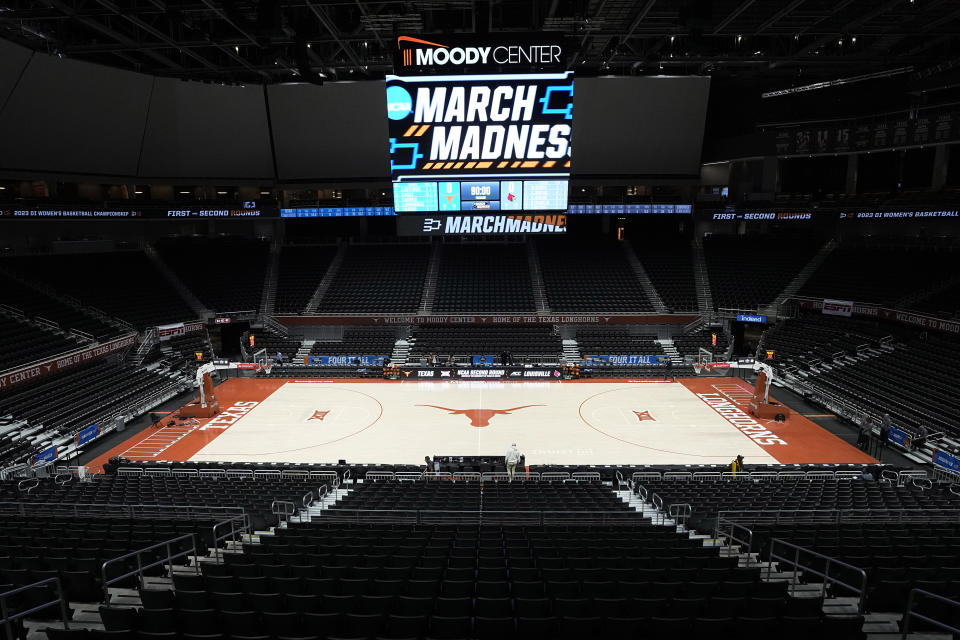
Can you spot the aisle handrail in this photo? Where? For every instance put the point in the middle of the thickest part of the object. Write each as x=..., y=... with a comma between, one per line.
x=232, y=535
x=910, y=613
x=825, y=574
x=169, y=558
x=7, y=618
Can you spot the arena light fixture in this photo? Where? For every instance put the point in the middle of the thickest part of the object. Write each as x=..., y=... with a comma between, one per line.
x=826, y=84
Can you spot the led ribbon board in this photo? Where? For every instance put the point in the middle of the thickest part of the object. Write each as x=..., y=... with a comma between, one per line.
x=480, y=124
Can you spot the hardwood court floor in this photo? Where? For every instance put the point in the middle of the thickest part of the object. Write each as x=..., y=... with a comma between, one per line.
x=616, y=422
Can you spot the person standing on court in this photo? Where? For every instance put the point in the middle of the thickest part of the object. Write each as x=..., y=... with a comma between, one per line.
x=512, y=459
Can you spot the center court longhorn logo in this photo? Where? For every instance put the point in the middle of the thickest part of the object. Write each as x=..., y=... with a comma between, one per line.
x=480, y=417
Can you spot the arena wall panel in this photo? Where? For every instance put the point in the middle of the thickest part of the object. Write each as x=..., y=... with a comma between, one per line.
x=197, y=130
x=639, y=126
x=70, y=116
x=334, y=132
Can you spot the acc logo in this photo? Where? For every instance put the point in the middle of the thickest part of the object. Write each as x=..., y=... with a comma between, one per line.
x=399, y=103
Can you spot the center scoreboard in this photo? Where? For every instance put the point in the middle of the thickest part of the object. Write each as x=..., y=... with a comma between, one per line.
x=480, y=124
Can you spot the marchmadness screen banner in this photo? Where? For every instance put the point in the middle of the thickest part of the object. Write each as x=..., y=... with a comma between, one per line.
x=480, y=124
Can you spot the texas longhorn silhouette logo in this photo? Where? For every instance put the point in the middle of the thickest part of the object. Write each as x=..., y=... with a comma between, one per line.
x=480, y=417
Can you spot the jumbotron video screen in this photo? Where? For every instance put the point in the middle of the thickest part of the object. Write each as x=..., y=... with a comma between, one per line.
x=480, y=125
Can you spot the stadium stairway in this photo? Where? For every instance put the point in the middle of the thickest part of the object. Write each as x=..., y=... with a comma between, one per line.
x=400, y=353
x=804, y=274
x=702, y=278
x=198, y=307
x=316, y=509
x=571, y=350
x=304, y=349
x=876, y=625
x=268, y=298
x=430, y=281
x=536, y=278
x=328, y=278
x=676, y=359
x=643, y=278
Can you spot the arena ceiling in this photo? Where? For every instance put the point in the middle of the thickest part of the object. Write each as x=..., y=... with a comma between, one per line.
x=269, y=41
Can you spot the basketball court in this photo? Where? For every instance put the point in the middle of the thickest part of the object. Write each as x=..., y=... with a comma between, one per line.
x=691, y=421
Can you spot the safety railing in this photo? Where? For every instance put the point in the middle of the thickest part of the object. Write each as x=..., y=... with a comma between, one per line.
x=479, y=517
x=909, y=614
x=832, y=516
x=679, y=513
x=376, y=476
x=707, y=475
x=283, y=509
x=408, y=476
x=735, y=533
x=238, y=525
x=712, y=476
x=466, y=476
x=322, y=492
x=860, y=588
x=8, y=617
x=586, y=476
x=138, y=573
x=325, y=476
x=910, y=475
x=640, y=476
x=622, y=484
x=942, y=474
x=553, y=476
x=503, y=476
x=27, y=485
x=133, y=511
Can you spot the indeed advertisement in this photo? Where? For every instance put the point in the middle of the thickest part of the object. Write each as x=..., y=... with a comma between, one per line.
x=480, y=126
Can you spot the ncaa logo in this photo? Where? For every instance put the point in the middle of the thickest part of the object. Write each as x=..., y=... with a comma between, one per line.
x=399, y=103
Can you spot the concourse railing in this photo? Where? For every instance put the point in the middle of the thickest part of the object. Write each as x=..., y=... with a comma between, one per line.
x=835, y=516
x=482, y=517
x=133, y=511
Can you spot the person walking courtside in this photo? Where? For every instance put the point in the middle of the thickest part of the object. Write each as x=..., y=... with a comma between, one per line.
x=737, y=465
x=512, y=459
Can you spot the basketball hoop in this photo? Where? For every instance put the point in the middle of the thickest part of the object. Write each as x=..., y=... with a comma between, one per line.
x=267, y=369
